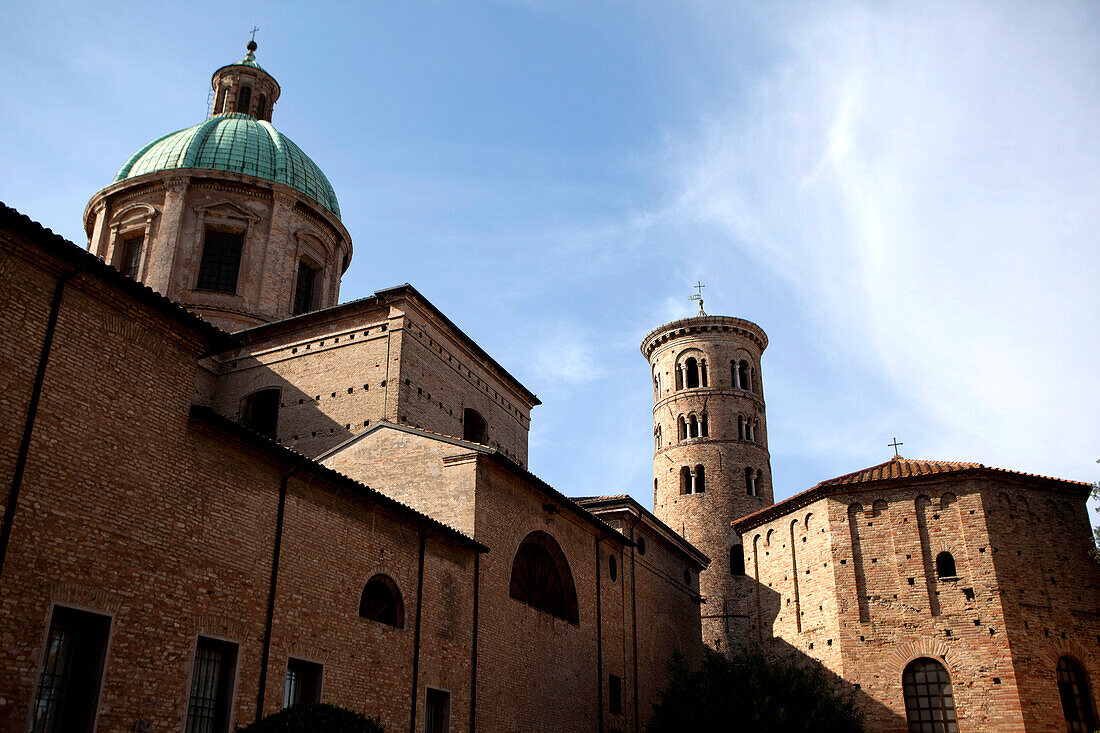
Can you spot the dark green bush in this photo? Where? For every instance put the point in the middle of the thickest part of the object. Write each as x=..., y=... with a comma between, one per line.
x=752, y=693
x=315, y=717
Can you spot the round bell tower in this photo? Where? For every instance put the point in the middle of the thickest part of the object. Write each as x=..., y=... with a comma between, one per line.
x=710, y=461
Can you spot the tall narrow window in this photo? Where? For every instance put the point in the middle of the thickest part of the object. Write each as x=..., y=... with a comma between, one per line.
x=244, y=100
x=211, y=686
x=303, y=682
x=703, y=372
x=474, y=428
x=682, y=432
x=685, y=480
x=735, y=376
x=72, y=667
x=744, y=380
x=737, y=560
x=750, y=482
x=704, y=429
x=381, y=602
x=260, y=411
x=131, y=256
x=679, y=377
x=691, y=366
x=740, y=427
x=693, y=426
x=614, y=694
x=219, y=105
x=1073, y=688
x=945, y=566
x=929, y=703
x=221, y=261
x=437, y=711
x=261, y=107
x=304, y=288
x=541, y=577
x=700, y=480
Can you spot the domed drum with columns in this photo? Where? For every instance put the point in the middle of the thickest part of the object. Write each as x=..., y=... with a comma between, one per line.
x=229, y=217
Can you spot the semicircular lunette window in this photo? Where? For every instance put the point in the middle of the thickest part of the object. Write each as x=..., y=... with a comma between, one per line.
x=541, y=577
x=381, y=602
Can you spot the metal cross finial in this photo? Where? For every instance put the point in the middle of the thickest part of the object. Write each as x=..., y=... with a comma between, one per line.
x=254, y=29
x=895, y=445
x=698, y=296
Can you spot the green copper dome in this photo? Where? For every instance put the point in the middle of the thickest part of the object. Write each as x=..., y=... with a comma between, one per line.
x=237, y=143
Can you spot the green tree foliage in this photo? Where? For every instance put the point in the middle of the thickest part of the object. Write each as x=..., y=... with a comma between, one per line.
x=315, y=717
x=752, y=693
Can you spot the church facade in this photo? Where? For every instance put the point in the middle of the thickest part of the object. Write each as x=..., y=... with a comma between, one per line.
x=229, y=492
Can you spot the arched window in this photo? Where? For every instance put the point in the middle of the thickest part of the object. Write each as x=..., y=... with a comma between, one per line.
x=260, y=411
x=381, y=602
x=737, y=560
x=657, y=437
x=735, y=379
x=1073, y=688
x=474, y=428
x=740, y=427
x=700, y=480
x=541, y=577
x=703, y=372
x=685, y=480
x=929, y=704
x=744, y=378
x=219, y=105
x=679, y=377
x=749, y=435
x=704, y=429
x=691, y=367
x=261, y=106
x=693, y=426
x=945, y=565
x=682, y=432
x=244, y=100
x=750, y=482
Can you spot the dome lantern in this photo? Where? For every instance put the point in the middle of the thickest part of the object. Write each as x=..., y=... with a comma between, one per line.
x=245, y=88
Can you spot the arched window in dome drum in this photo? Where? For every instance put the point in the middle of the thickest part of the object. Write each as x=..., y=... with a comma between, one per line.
x=261, y=107
x=1073, y=688
x=244, y=100
x=221, y=261
x=219, y=105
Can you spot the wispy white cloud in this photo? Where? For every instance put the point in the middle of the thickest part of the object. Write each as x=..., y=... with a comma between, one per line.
x=924, y=176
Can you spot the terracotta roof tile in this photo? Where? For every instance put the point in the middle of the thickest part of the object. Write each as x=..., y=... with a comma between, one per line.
x=899, y=467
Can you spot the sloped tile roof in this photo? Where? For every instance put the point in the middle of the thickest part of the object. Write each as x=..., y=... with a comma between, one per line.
x=899, y=467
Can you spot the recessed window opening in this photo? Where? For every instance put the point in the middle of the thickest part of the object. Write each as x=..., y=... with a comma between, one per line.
x=693, y=426
x=303, y=682
x=437, y=711
x=305, y=289
x=681, y=432
x=131, y=255
x=685, y=480
x=700, y=480
x=474, y=428
x=541, y=577
x=221, y=261
x=691, y=371
x=641, y=545
x=1073, y=688
x=208, y=707
x=945, y=566
x=219, y=105
x=244, y=100
x=704, y=428
x=679, y=377
x=744, y=376
x=71, y=673
x=381, y=602
x=261, y=106
x=737, y=560
x=612, y=567
x=740, y=427
x=929, y=702
x=614, y=694
x=703, y=372
x=260, y=411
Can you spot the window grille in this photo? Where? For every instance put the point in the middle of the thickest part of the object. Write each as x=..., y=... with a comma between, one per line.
x=72, y=668
x=211, y=686
x=929, y=703
x=221, y=261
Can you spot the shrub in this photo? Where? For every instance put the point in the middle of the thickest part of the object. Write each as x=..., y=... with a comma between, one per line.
x=315, y=717
x=752, y=693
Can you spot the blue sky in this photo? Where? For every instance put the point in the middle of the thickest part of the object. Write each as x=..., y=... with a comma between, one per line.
x=904, y=196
